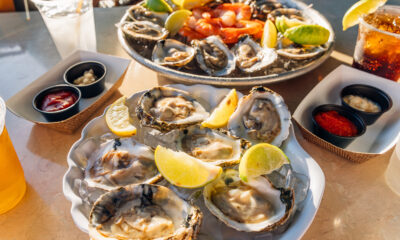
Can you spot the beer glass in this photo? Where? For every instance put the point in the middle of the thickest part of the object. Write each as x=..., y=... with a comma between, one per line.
x=12, y=181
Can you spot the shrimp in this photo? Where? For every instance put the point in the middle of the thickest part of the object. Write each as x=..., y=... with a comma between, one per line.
x=208, y=27
x=190, y=34
x=242, y=11
x=242, y=27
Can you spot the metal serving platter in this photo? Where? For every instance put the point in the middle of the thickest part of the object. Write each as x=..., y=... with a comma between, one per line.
x=189, y=78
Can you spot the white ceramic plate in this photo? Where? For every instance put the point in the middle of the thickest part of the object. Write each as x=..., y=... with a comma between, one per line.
x=300, y=160
x=379, y=137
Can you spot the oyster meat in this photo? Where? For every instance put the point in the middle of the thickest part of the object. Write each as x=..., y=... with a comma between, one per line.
x=119, y=162
x=170, y=52
x=214, y=57
x=210, y=146
x=143, y=31
x=250, y=57
x=143, y=211
x=261, y=116
x=166, y=108
x=251, y=207
x=140, y=13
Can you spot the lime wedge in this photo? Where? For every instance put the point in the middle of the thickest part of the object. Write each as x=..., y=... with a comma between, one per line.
x=260, y=159
x=351, y=17
x=183, y=170
x=270, y=35
x=158, y=6
x=189, y=4
x=117, y=119
x=176, y=20
x=283, y=23
x=308, y=34
x=220, y=116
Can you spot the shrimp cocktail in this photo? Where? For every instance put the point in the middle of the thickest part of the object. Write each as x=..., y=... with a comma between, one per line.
x=378, y=44
x=224, y=39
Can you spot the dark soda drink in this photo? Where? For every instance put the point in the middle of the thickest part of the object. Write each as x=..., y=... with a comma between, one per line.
x=378, y=44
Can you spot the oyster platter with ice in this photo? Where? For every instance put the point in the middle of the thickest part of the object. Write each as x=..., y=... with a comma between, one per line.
x=225, y=41
x=181, y=166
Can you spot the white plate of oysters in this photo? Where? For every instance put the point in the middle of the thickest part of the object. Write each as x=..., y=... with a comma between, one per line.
x=117, y=192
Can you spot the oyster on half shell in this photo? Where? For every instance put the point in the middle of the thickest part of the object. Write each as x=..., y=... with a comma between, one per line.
x=251, y=207
x=261, y=116
x=251, y=57
x=119, y=162
x=291, y=50
x=214, y=57
x=143, y=211
x=170, y=52
x=143, y=31
x=166, y=108
x=210, y=146
x=140, y=13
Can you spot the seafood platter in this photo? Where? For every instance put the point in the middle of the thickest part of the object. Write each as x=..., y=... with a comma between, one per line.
x=121, y=184
x=226, y=43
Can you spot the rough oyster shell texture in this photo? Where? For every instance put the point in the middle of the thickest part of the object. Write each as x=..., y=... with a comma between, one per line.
x=166, y=108
x=143, y=211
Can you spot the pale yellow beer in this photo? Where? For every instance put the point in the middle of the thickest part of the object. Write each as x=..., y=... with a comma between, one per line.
x=12, y=181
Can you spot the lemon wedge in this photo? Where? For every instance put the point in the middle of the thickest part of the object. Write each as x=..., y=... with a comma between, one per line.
x=117, y=119
x=270, y=35
x=351, y=17
x=283, y=23
x=183, y=170
x=176, y=20
x=189, y=4
x=220, y=116
x=260, y=159
x=158, y=6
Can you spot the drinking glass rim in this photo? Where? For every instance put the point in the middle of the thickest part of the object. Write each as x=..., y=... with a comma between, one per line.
x=3, y=111
x=362, y=21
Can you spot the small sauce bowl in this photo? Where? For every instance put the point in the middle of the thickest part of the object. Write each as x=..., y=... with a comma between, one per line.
x=340, y=141
x=58, y=115
x=77, y=70
x=374, y=94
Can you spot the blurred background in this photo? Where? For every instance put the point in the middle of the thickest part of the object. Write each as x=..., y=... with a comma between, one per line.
x=18, y=5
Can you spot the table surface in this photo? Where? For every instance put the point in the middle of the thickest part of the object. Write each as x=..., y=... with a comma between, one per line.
x=357, y=203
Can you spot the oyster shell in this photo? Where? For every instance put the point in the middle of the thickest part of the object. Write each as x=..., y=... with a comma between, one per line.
x=143, y=211
x=261, y=116
x=140, y=13
x=210, y=146
x=119, y=162
x=170, y=52
x=287, y=48
x=250, y=57
x=166, y=108
x=143, y=31
x=251, y=207
x=214, y=57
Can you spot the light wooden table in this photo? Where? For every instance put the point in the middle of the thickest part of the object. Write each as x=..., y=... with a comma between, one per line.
x=357, y=204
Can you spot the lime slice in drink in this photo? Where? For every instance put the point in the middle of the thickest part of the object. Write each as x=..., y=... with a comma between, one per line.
x=351, y=17
x=183, y=170
x=117, y=119
x=189, y=4
x=220, y=116
x=270, y=35
x=308, y=34
x=260, y=159
x=283, y=23
x=158, y=6
x=176, y=20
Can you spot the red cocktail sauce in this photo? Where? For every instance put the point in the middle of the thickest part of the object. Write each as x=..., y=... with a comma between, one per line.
x=59, y=100
x=336, y=124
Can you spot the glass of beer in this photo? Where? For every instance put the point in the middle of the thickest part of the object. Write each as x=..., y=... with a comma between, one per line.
x=12, y=180
x=378, y=44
